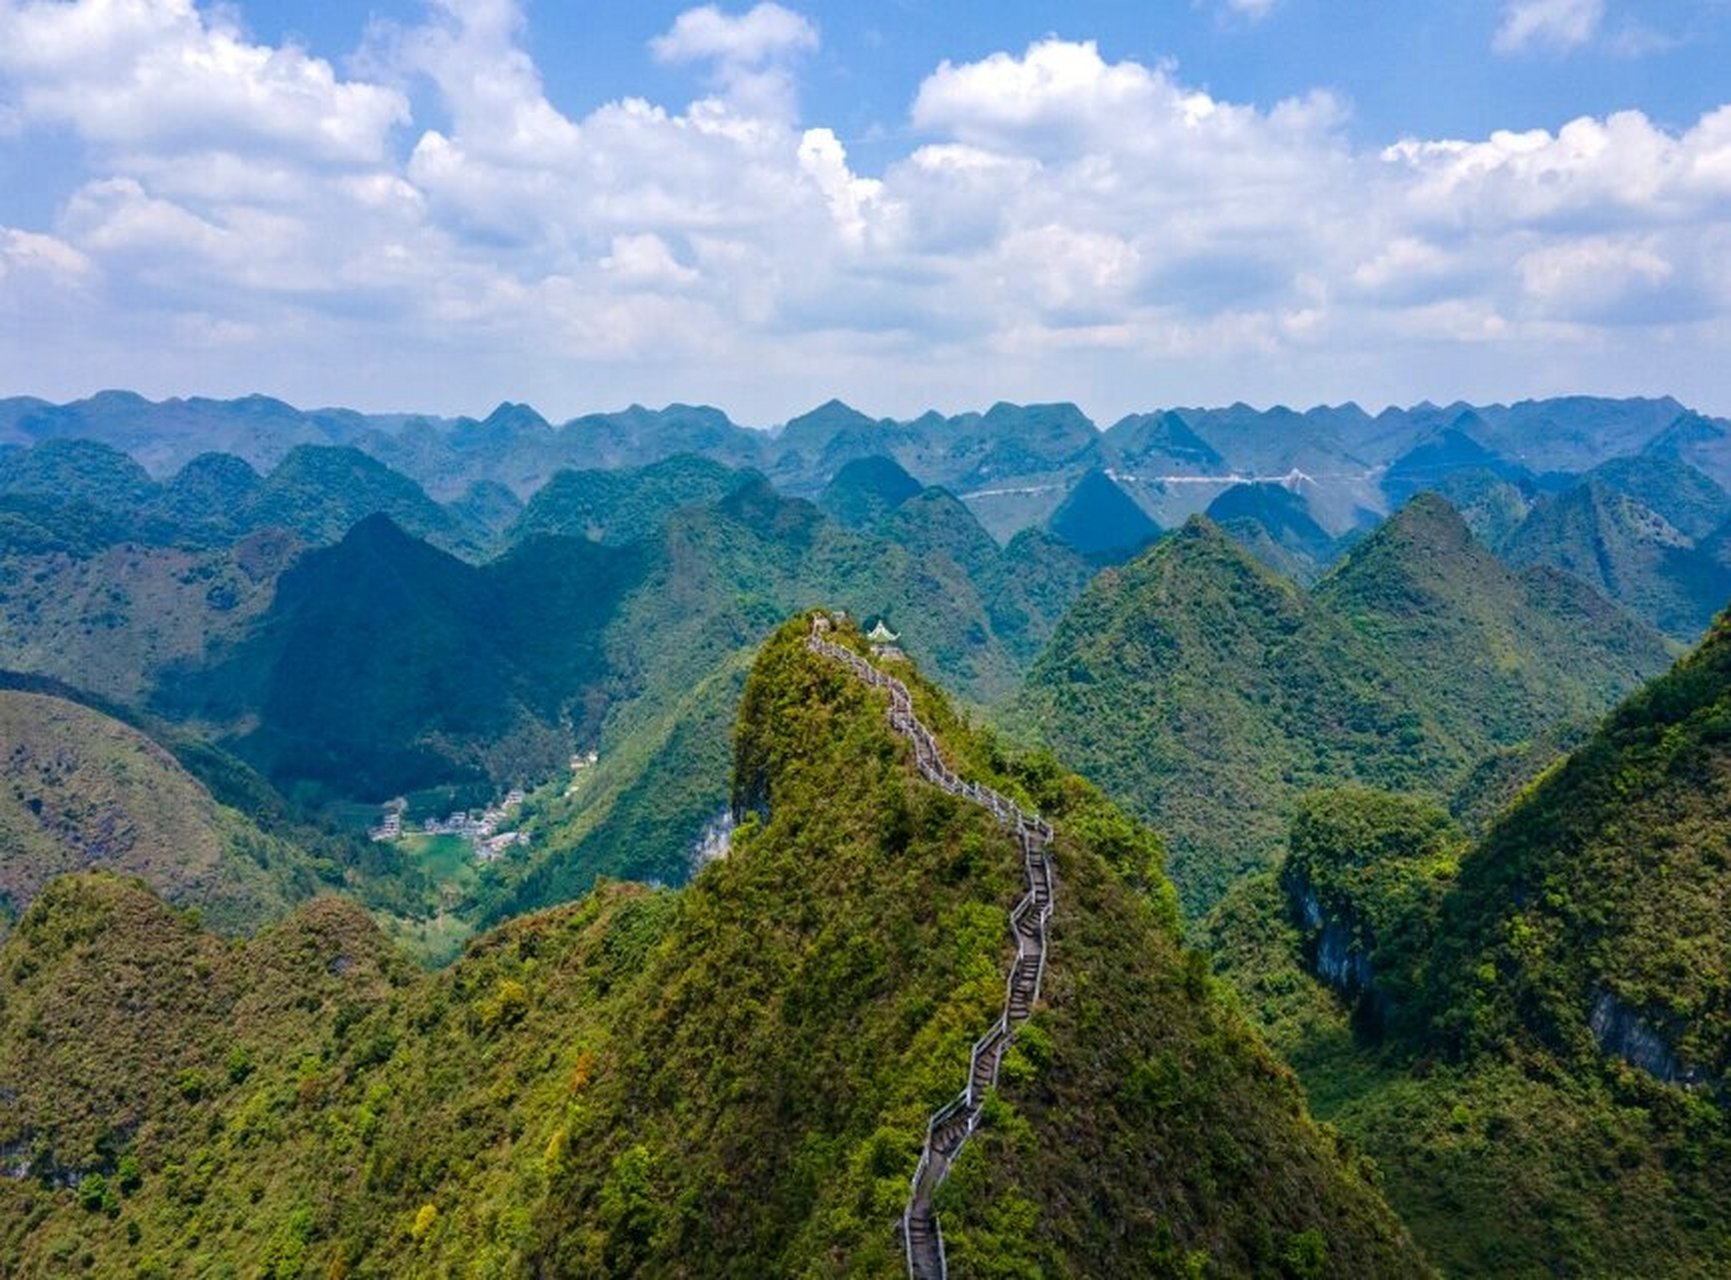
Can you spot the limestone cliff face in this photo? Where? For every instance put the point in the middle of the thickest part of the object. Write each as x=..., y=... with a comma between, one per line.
x=1622, y=1032
x=1334, y=945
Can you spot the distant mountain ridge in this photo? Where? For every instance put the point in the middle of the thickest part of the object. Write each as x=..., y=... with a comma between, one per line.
x=1012, y=463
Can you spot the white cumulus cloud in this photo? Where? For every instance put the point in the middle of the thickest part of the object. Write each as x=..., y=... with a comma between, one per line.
x=751, y=52
x=764, y=32
x=144, y=75
x=1556, y=24
x=1063, y=225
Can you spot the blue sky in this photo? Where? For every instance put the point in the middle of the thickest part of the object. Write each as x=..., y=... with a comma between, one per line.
x=911, y=204
x=1424, y=67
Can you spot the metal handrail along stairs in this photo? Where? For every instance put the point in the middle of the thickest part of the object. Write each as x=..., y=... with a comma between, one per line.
x=951, y=1123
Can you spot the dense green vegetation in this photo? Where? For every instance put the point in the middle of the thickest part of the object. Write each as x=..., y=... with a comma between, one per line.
x=866, y=490
x=1204, y=693
x=1498, y=1169
x=384, y=665
x=1529, y=1034
x=1101, y=521
x=1207, y=693
x=315, y=491
x=1599, y=901
x=1273, y=523
x=1507, y=985
x=113, y=616
x=79, y=790
x=622, y=506
x=1491, y=655
x=728, y=1080
x=1615, y=542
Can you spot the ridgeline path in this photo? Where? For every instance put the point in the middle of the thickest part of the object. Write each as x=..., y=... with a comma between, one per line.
x=951, y=1123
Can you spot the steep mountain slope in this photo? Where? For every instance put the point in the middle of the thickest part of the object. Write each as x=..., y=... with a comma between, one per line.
x=1449, y=451
x=813, y=447
x=1626, y=550
x=112, y=616
x=61, y=469
x=1162, y=442
x=79, y=790
x=622, y=506
x=1490, y=1021
x=317, y=491
x=1700, y=441
x=1492, y=506
x=866, y=490
x=651, y=809
x=934, y=522
x=1101, y=521
x=1205, y=693
x=732, y=1080
x=384, y=664
x=213, y=492
x=488, y=506
x=1274, y=524
x=322, y=492
x=1600, y=899
x=1685, y=498
x=1038, y=578
x=1490, y=654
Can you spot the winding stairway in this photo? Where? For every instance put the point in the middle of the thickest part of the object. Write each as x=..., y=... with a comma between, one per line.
x=951, y=1123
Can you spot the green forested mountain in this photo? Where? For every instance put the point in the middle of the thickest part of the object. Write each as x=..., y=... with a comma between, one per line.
x=729, y=1080
x=487, y=506
x=1012, y=464
x=316, y=491
x=1491, y=654
x=1685, y=498
x=101, y=612
x=1492, y=506
x=622, y=506
x=866, y=490
x=1450, y=451
x=1493, y=1021
x=81, y=791
x=1206, y=693
x=1164, y=442
x=1273, y=523
x=322, y=492
x=1600, y=901
x=384, y=664
x=93, y=473
x=1700, y=441
x=1101, y=521
x=379, y=664
x=110, y=580
x=213, y=493
x=1625, y=549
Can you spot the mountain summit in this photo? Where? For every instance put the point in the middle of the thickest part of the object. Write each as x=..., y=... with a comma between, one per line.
x=732, y=1079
